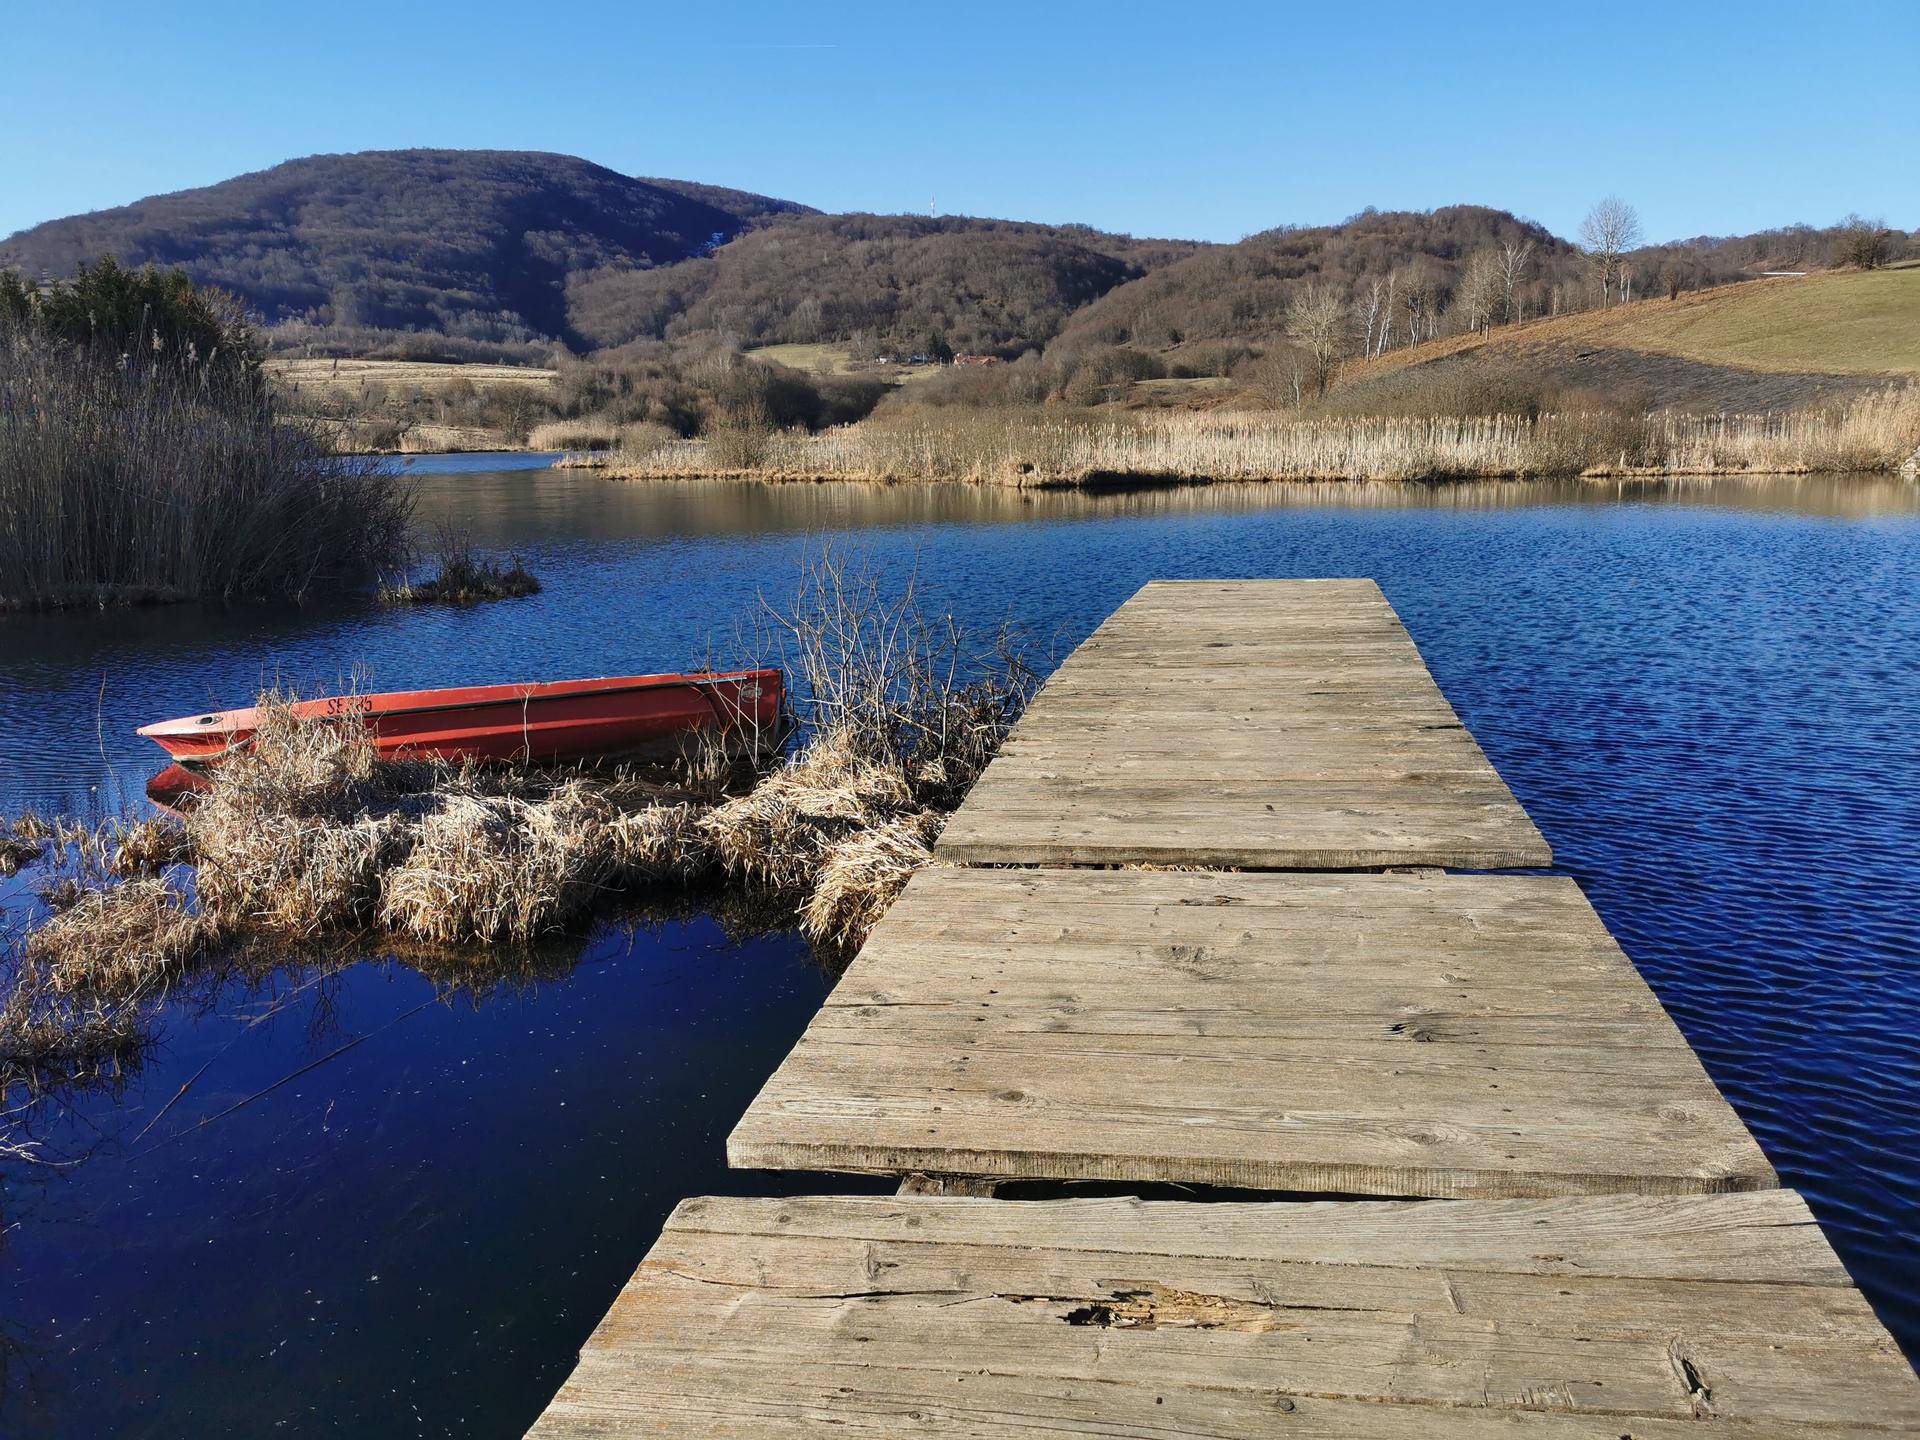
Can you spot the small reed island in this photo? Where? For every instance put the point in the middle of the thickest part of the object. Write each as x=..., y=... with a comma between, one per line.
x=307, y=836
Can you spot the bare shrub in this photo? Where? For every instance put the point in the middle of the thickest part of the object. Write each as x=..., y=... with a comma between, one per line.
x=465, y=577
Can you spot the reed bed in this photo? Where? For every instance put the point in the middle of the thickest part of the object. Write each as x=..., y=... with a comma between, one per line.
x=1874, y=431
x=132, y=483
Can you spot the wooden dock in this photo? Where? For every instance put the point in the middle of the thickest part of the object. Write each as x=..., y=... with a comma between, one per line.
x=1469, y=1035
x=1608, y=1319
x=1255, y=724
x=1612, y=1259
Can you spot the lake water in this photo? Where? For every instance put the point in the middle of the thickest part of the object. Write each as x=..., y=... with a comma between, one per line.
x=363, y=1204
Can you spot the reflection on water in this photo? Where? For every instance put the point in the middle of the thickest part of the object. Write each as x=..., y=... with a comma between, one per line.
x=384, y=1206
x=629, y=510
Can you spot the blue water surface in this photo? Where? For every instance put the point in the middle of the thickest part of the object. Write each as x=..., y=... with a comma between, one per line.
x=362, y=1203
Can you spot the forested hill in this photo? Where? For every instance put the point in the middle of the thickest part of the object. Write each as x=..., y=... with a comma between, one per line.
x=472, y=244
x=900, y=281
x=1240, y=294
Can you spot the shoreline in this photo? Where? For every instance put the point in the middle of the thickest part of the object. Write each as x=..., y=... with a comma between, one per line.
x=1874, y=432
x=1116, y=480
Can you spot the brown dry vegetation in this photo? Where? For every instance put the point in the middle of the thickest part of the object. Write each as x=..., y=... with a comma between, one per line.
x=1872, y=430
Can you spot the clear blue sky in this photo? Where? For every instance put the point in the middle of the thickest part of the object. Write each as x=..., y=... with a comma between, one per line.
x=1207, y=120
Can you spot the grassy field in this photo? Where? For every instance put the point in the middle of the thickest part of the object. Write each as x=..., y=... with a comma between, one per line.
x=333, y=374
x=838, y=360
x=1194, y=393
x=1857, y=323
x=415, y=406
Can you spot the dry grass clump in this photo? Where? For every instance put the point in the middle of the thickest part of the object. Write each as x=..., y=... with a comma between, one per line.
x=47, y=1039
x=904, y=711
x=295, y=875
x=146, y=847
x=120, y=942
x=588, y=432
x=1874, y=431
x=501, y=868
x=779, y=833
x=308, y=832
x=15, y=854
x=294, y=832
x=666, y=843
x=860, y=877
x=143, y=482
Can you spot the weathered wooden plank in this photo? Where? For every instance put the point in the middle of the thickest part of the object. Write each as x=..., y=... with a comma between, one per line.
x=1548, y=1320
x=1361, y=1034
x=1285, y=724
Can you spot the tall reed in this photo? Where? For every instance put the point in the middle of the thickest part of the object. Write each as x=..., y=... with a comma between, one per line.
x=1874, y=431
x=127, y=483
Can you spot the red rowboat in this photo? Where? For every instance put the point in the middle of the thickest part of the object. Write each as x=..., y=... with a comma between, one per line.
x=624, y=715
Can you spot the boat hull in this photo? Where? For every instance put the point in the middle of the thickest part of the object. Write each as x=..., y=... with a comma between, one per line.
x=645, y=716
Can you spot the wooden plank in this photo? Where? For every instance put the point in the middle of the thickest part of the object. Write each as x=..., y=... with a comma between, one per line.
x=1446, y=1035
x=1586, y=1319
x=1283, y=724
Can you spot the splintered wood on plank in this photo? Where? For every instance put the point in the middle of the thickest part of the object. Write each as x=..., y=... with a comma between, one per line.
x=1264, y=724
x=1452, y=1036
x=1654, y=1318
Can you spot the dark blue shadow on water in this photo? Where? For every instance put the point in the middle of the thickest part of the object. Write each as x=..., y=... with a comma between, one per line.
x=1706, y=694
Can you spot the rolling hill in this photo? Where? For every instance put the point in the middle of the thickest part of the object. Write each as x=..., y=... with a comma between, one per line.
x=472, y=244
x=1750, y=346
x=901, y=280
x=435, y=255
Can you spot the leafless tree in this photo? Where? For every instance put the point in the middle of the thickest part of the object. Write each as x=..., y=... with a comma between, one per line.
x=1864, y=243
x=1316, y=322
x=1610, y=230
x=1420, y=297
x=1515, y=256
x=1367, y=308
x=1478, y=292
